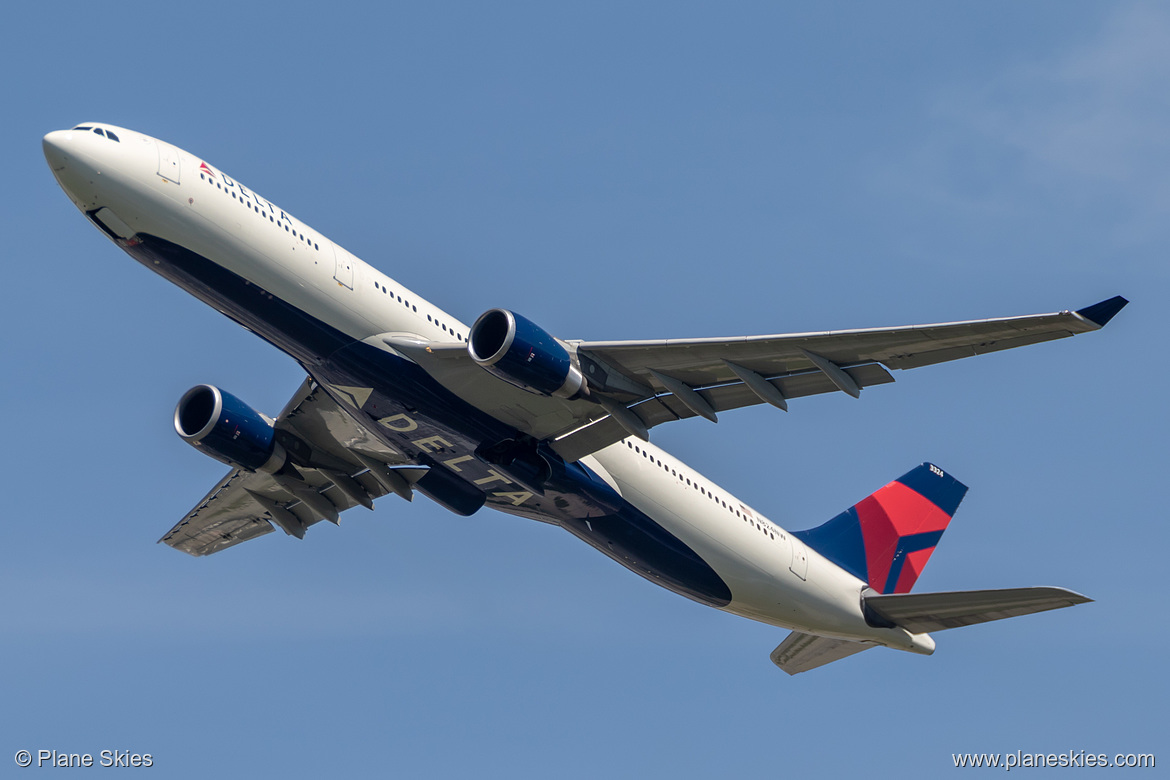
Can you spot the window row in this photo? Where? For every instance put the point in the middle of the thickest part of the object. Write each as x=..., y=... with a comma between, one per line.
x=765, y=527
x=433, y=320
x=249, y=204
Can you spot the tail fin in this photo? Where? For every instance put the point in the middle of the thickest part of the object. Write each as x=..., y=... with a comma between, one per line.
x=887, y=538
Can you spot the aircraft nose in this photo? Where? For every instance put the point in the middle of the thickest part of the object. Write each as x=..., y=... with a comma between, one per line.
x=56, y=145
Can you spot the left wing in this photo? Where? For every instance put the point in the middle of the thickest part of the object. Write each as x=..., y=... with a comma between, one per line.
x=705, y=376
x=636, y=385
x=344, y=466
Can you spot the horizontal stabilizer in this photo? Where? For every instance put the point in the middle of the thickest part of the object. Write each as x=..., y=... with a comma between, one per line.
x=801, y=652
x=922, y=612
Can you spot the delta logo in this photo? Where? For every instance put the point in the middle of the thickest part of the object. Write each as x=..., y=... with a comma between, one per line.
x=205, y=168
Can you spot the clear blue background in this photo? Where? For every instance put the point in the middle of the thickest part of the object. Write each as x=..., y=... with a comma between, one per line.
x=611, y=170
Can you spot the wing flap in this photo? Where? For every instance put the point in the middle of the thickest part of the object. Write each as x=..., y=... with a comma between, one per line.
x=922, y=612
x=599, y=434
x=801, y=652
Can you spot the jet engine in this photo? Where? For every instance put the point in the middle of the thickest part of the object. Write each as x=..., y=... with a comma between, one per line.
x=220, y=425
x=522, y=353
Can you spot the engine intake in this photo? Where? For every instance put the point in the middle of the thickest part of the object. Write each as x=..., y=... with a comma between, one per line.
x=522, y=353
x=218, y=424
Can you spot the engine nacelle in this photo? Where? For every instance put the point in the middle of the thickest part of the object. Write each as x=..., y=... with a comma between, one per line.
x=522, y=353
x=220, y=425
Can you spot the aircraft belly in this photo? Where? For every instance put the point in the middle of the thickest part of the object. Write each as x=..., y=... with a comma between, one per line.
x=754, y=565
x=287, y=327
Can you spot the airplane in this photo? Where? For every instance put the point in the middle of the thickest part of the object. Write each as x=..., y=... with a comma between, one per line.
x=402, y=397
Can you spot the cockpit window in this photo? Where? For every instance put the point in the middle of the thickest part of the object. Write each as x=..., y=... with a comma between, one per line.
x=100, y=131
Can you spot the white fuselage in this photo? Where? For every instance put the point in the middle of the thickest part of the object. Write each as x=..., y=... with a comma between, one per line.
x=150, y=187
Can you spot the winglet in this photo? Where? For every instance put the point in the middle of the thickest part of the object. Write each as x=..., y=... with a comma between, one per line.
x=1101, y=313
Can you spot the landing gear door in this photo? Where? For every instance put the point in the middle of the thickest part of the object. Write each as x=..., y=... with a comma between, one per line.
x=799, y=565
x=343, y=268
x=168, y=161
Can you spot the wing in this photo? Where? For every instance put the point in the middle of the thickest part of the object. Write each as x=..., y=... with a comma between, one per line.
x=342, y=466
x=701, y=377
x=636, y=385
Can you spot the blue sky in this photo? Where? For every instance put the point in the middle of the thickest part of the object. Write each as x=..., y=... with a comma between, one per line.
x=611, y=171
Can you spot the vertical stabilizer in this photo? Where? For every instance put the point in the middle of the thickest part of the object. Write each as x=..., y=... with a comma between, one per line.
x=886, y=538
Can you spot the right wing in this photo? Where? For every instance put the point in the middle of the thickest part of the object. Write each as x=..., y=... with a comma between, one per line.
x=346, y=467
